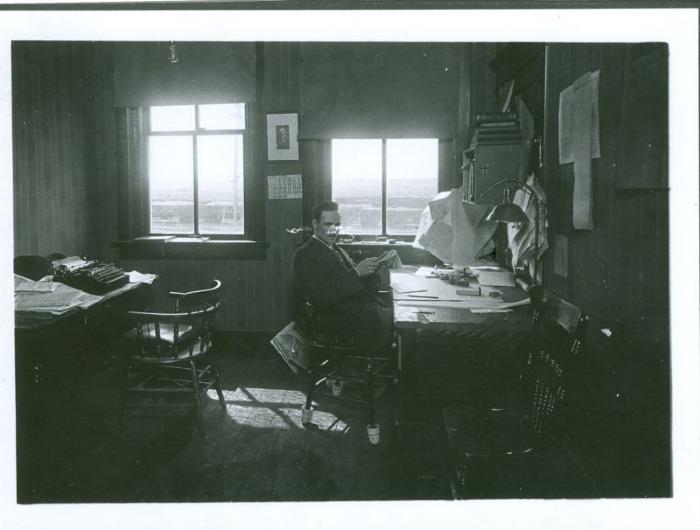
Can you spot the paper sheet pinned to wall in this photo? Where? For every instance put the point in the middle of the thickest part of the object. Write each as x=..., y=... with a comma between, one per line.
x=582, y=148
x=579, y=141
x=567, y=118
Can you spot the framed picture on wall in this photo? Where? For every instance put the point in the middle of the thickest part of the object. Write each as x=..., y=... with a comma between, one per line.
x=282, y=132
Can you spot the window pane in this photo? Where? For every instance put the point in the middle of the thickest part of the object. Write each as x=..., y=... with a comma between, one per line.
x=220, y=179
x=357, y=184
x=171, y=187
x=411, y=182
x=217, y=117
x=172, y=118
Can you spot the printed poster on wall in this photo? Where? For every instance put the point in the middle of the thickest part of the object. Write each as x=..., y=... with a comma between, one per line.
x=567, y=118
x=579, y=141
x=284, y=187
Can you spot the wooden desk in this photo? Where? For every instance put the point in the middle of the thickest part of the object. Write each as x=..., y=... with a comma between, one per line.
x=410, y=318
x=48, y=340
x=53, y=358
x=479, y=314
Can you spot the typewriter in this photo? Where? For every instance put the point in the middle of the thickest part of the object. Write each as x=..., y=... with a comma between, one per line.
x=91, y=276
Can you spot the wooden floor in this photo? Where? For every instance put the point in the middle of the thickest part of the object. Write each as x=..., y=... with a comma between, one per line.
x=71, y=449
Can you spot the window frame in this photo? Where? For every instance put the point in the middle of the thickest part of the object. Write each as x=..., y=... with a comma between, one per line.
x=384, y=234
x=248, y=154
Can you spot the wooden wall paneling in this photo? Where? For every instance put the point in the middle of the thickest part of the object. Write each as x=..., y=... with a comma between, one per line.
x=252, y=298
x=32, y=182
x=52, y=151
x=22, y=117
x=57, y=168
x=590, y=252
x=618, y=273
x=482, y=83
x=49, y=134
x=282, y=85
x=106, y=176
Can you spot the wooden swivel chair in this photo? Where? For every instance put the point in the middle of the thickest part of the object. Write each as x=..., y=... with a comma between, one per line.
x=170, y=354
x=336, y=347
x=534, y=428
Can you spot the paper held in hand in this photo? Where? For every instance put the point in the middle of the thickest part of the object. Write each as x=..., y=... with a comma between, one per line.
x=389, y=259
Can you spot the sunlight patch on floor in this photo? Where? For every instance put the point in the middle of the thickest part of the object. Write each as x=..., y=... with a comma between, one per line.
x=265, y=395
x=269, y=408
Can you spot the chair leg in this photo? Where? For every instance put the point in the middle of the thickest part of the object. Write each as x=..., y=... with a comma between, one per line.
x=217, y=385
x=373, y=432
x=370, y=393
x=311, y=390
x=307, y=410
x=124, y=398
x=195, y=386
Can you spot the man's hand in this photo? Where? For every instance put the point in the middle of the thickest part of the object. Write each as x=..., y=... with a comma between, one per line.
x=366, y=267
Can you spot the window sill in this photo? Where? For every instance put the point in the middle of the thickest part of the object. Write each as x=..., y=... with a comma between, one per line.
x=168, y=247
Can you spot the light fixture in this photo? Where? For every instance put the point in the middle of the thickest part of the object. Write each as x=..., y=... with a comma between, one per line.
x=173, y=57
x=507, y=212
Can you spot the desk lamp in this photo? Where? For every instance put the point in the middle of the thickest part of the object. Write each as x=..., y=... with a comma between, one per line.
x=507, y=212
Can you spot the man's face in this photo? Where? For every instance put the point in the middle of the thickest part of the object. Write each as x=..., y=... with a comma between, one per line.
x=327, y=228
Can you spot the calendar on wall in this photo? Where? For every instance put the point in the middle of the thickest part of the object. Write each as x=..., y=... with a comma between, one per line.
x=284, y=187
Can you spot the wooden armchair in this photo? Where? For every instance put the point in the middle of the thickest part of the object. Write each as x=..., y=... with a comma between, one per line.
x=534, y=427
x=169, y=354
x=336, y=346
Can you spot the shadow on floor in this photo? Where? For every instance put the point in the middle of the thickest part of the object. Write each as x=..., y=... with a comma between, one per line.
x=71, y=447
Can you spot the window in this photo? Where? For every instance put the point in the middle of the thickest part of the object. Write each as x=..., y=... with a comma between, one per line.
x=196, y=169
x=383, y=186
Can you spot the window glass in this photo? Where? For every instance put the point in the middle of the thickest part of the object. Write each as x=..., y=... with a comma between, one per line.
x=357, y=184
x=220, y=183
x=218, y=117
x=411, y=182
x=171, y=184
x=172, y=118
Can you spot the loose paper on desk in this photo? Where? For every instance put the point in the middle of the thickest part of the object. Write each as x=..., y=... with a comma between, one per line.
x=496, y=278
x=426, y=272
x=32, y=286
x=46, y=301
x=139, y=277
x=474, y=303
x=406, y=283
x=61, y=300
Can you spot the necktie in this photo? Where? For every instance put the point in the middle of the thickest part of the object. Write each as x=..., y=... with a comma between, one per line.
x=342, y=259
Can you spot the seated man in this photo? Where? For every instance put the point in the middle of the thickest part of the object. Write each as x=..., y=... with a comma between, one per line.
x=343, y=291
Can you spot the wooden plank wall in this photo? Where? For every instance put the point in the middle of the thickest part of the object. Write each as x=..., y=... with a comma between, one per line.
x=618, y=273
x=256, y=294
x=53, y=148
x=66, y=173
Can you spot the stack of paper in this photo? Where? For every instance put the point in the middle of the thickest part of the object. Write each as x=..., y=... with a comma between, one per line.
x=140, y=277
x=499, y=278
x=49, y=298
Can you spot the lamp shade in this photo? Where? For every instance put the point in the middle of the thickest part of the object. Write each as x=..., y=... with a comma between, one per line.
x=507, y=213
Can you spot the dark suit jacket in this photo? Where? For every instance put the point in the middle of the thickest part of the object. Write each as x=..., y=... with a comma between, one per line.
x=326, y=280
x=330, y=284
